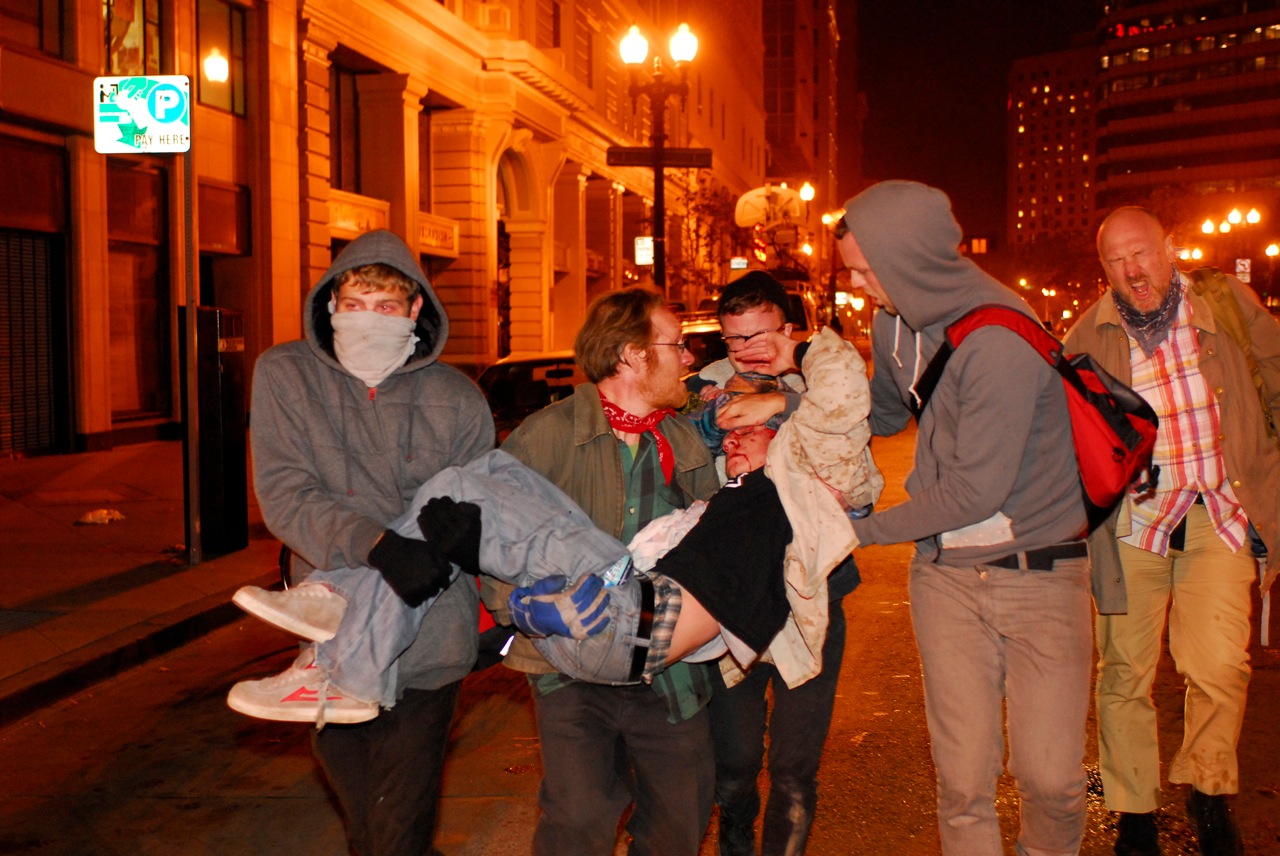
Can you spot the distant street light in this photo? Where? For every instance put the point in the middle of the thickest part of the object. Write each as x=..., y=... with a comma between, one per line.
x=1048, y=292
x=1238, y=248
x=634, y=48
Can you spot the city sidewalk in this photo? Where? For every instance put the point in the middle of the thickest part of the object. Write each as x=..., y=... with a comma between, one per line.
x=80, y=602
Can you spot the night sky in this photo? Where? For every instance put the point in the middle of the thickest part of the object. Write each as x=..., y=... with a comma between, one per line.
x=934, y=76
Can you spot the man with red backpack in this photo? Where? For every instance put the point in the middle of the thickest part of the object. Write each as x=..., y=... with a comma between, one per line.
x=999, y=582
x=1184, y=548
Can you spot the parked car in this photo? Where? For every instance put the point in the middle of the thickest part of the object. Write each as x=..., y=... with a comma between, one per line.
x=520, y=384
x=702, y=331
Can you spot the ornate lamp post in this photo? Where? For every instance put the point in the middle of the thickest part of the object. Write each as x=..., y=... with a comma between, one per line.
x=1233, y=221
x=634, y=49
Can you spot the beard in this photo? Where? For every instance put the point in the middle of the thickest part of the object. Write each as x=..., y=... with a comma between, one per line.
x=662, y=388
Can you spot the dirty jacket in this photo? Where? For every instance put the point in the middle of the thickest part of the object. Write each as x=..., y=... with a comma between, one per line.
x=995, y=469
x=825, y=439
x=571, y=444
x=1250, y=457
x=335, y=461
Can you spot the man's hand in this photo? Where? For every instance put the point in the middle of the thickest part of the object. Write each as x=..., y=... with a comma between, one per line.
x=415, y=570
x=548, y=608
x=769, y=353
x=749, y=409
x=454, y=527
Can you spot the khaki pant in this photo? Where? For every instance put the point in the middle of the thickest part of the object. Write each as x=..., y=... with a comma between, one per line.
x=1205, y=590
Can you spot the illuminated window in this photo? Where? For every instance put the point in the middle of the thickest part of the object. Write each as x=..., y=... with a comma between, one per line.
x=220, y=32
x=132, y=31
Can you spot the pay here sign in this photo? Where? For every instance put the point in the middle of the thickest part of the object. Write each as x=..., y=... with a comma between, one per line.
x=136, y=115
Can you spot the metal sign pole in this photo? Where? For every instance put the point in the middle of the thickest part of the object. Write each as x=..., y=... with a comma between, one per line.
x=192, y=372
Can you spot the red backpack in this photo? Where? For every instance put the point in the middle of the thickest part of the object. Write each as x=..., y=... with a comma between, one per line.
x=1112, y=427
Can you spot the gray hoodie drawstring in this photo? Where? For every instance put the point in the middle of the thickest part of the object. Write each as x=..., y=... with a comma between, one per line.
x=915, y=376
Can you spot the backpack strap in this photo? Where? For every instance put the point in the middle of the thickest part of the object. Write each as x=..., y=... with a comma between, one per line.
x=988, y=314
x=1211, y=284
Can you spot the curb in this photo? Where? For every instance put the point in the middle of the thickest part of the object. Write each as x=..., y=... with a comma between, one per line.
x=75, y=671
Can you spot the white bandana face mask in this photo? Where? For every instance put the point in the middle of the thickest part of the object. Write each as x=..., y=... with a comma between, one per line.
x=371, y=345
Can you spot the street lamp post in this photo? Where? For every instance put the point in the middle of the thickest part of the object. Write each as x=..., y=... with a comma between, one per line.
x=634, y=49
x=1233, y=221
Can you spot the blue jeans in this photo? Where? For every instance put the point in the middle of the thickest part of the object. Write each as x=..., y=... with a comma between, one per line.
x=797, y=732
x=531, y=530
x=989, y=636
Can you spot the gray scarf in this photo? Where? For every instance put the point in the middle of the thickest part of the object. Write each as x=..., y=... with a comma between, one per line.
x=1149, y=329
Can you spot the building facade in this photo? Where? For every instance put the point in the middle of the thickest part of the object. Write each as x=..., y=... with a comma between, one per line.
x=477, y=130
x=1050, y=145
x=802, y=40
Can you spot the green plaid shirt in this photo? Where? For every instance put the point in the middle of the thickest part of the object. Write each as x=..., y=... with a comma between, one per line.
x=686, y=687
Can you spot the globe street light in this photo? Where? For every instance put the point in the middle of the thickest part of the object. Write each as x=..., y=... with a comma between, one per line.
x=634, y=48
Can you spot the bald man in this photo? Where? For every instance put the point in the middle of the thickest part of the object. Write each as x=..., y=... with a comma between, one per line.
x=1184, y=549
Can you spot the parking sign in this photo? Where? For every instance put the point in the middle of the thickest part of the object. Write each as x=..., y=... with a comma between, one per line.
x=136, y=115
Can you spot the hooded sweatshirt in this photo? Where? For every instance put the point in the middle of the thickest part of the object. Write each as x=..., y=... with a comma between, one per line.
x=336, y=461
x=995, y=469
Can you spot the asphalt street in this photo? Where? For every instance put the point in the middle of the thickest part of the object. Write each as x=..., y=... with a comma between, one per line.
x=153, y=762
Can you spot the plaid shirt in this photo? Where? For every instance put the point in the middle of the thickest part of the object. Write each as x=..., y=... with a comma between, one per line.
x=1188, y=450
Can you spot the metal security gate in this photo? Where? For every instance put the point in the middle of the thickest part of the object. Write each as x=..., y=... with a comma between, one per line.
x=33, y=378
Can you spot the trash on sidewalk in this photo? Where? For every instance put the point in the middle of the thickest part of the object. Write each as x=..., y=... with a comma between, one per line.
x=100, y=515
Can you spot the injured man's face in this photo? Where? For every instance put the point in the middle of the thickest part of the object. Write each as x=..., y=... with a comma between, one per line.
x=745, y=449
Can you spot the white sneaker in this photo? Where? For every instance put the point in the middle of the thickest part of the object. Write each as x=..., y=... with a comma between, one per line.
x=301, y=693
x=311, y=610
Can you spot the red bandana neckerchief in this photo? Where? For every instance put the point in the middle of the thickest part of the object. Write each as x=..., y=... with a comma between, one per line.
x=621, y=420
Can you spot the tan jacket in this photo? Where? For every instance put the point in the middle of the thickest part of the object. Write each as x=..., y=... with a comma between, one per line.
x=1251, y=458
x=825, y=439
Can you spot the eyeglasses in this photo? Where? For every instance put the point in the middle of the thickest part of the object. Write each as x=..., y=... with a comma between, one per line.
x=680, y=346
x=737, y=343
x=839, y=228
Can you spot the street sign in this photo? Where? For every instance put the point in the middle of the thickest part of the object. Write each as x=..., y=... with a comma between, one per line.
x=644, y=250
x=672, y=157
x=1244, y=268
x=137, y=115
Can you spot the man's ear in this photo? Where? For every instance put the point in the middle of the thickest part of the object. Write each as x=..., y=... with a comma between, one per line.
x=633, y=356
x=415, y=308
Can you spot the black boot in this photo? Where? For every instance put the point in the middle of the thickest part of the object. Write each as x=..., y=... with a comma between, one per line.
x=1137, y=835
x=1215, y=829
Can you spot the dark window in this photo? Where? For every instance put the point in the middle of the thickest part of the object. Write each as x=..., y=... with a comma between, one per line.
x=344, y=130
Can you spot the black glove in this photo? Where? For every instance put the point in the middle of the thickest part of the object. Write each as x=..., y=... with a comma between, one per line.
x=454, y=528
x=415, y=570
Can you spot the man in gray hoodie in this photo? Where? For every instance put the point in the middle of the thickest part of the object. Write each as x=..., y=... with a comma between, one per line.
x=346, y=424
x=999, y=582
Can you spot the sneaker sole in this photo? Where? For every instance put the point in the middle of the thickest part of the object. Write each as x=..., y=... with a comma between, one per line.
x=302, y=713
x=283, y=620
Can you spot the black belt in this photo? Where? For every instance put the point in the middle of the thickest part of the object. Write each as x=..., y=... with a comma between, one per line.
x=644, y=627
x=1042, y=559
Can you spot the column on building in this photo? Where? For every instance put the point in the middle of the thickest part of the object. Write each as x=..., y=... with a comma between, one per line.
x=90, y=297
x=276, y=315
x=603, y=236
x=314, y=45
x=569, y=287
x=389, y=108
x=462, y=143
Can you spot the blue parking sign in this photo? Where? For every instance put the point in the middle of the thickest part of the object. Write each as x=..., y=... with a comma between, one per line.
x=135, y=115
